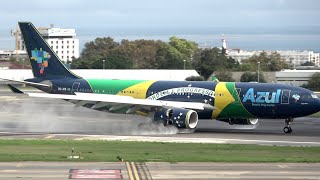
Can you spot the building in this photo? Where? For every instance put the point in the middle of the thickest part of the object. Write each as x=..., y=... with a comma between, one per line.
x=6, y=55
x=63, y=42
x=286, y=76
x=296, y=58
x=294, y=77
x=241, y=55
x=299, y=57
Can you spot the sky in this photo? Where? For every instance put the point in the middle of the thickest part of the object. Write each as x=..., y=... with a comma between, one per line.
x=293, y=24
x=166, y=15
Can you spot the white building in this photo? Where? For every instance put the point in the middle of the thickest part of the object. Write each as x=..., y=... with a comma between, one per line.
x=240, y=55
x=62, y=41
x=299, y=57
x=292, y=57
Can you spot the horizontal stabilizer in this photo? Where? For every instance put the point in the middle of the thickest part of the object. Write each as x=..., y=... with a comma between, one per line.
x=14, y=89
x=27, y=83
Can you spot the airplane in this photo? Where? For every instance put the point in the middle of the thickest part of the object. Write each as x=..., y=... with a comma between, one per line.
x=172, y=103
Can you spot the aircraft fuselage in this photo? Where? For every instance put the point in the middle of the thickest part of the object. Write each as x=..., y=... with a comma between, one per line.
x=229, y=99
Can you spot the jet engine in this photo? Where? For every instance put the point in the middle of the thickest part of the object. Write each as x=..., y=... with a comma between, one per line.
x=240, y=121
x=181, y=118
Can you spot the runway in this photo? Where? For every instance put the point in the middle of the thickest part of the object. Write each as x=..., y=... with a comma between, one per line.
x=156, y=170
x=24, y=117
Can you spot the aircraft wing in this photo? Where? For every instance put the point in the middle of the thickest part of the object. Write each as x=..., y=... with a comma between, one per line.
x=117, y=101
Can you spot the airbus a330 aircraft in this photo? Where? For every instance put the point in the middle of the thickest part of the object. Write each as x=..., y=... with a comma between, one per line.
x=178, y=103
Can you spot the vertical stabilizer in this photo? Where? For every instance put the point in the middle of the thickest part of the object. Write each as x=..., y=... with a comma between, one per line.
x=44, y=61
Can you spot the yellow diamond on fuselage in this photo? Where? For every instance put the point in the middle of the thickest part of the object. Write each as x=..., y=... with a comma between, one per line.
x=138, y=91
x=222, y=99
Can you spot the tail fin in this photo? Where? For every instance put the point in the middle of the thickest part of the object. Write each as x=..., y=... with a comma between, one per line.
x=44, y=61
x=214, y=79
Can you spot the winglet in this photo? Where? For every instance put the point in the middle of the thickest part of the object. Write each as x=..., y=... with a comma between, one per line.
x=14, y=89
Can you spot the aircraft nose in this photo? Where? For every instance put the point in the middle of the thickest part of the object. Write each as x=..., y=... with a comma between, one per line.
x=318, y=105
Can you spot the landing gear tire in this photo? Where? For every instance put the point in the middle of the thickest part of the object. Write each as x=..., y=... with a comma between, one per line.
x=287, y=130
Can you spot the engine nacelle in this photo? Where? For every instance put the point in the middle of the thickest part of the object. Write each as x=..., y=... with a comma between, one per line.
x=240, y=121
x=181, y=118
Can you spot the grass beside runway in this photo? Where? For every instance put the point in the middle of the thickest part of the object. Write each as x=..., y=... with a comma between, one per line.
x=58, y=150
x=316, y=115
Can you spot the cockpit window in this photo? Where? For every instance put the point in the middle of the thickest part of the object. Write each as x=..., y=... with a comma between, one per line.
x=314, y=96
x=309, y=96
x=306, y=96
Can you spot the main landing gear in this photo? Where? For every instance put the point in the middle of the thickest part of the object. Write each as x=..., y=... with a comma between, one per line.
x=287, y=128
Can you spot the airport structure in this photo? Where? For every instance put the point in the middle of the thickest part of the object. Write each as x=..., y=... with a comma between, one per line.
x=6, y=55
x=62, y=41
x=296, y=58
x=286, y=76
x=294, y=77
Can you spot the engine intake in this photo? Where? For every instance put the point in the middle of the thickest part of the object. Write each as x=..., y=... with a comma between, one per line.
x=181, y=118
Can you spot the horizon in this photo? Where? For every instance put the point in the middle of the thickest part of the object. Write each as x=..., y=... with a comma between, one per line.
x=245, y=41
x=166, y=18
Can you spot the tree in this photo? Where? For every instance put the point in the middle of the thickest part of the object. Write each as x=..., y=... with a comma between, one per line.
x=248, y=77
x=314, y=81
x=224, y=75
x=211, y=60
x=113, y=62
x=176, y=54
x=143, y=53
x=139, y=54
x=169, y=57
x=248, y=67
x=94, y=51
x=252, y=77
x=195, y=78
x=308, y=63
x=100, y=46
x=185, y=47
x=268, y=62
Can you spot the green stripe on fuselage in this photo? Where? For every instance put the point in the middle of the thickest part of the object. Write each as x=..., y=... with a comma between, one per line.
x=232, y=89
x=234, y=109
x=110, y=86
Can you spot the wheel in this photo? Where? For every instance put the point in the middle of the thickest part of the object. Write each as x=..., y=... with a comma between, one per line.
x=287, y=130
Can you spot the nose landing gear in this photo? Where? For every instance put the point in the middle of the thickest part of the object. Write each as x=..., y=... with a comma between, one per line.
x=287, y=128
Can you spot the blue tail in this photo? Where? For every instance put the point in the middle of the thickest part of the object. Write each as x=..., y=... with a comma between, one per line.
x=44, y=61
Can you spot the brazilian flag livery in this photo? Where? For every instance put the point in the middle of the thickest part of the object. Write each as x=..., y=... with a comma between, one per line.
x=226, y=100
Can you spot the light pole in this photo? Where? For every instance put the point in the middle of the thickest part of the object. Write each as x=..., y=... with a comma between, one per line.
x=103, y=63
x=258, y=72
x=184, y=64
